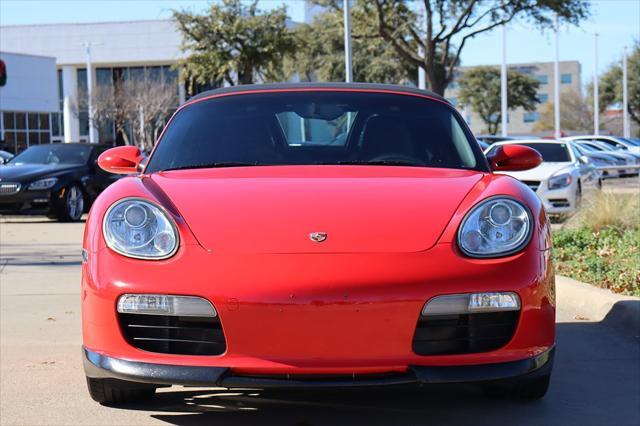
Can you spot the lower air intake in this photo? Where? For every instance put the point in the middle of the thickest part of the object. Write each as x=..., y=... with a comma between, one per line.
x=179, y=335
x=464, y=333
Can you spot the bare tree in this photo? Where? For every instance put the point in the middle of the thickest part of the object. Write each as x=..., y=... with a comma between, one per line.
x=137, y=107
x=149, y=104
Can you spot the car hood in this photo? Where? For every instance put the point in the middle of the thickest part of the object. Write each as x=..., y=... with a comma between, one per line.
x=274, y=209
x=27, y=172
x=542, y=172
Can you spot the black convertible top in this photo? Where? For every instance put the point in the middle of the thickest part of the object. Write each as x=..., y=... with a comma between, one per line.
x=285, y=86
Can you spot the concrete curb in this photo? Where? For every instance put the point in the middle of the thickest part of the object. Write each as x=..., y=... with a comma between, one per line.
x=587, y=302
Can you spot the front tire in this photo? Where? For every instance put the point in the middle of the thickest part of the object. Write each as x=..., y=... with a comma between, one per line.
x=71, y=206
x=111, y=391
x=531, y=389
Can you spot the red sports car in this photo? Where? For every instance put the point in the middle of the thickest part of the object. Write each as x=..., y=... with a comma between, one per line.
x=308, y=236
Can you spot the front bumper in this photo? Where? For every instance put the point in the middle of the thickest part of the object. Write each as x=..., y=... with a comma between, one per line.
x=558, y=201
x=26, y=201
x=101, y=366
x=331, y=314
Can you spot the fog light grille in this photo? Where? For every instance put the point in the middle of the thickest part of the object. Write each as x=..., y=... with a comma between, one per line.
x=179, y=335
x=464, y=333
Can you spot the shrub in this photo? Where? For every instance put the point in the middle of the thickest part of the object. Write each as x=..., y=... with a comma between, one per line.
x=601, y=245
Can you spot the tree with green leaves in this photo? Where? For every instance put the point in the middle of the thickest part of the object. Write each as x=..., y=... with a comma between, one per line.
x=480, y=89
x=234, y=42
x=320, y=52
x=450, y=24
x=610, y=87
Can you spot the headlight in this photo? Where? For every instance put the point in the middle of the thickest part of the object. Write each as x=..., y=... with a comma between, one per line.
x=42, y=184
x=140, y=229
x=560, y=181
x=496, y=227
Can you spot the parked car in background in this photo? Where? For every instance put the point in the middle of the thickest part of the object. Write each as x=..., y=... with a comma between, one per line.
x=60, y=180
x=618, y=159
x=561, y=178
x=491, y=139
x=615, y=142
x=5, y=157
x=483, y=144
x=630, y=160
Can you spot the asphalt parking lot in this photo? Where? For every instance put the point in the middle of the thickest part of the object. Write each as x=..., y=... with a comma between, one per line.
x=596, y=379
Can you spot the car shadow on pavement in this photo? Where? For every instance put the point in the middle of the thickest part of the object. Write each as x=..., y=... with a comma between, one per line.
x=596, y=381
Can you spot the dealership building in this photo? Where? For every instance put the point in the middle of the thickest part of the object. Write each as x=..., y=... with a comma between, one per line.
x=119, y=50
x=29, y=100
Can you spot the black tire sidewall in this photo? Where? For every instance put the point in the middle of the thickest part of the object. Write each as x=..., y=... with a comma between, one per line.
x=62, y=209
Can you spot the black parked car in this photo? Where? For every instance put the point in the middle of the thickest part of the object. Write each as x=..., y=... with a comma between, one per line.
x=5, y=157
x=60, y=180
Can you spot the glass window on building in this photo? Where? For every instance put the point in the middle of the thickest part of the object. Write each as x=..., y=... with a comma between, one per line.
x=542, y=98
x=82, y=82
x=153, y=73
x=83, y=118
x=21, y=121
x=22, y=130
x=104, y=77
x=60, y=91
x=136, y=73
x=57, y=128
x=565, y=78
x=531, y=117
x=543, y=78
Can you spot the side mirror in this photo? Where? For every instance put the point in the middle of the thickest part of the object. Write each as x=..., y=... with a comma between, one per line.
x=584, y=159
x=120, y=160
x=514, y=158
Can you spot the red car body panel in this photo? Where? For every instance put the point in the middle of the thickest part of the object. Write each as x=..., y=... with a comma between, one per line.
x=288, y=305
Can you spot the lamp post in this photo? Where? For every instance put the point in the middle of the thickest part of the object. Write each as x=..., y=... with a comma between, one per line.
x=92, y=130
x=596, y=93
x=422, y=75
x=626, y=131
x=347, y=42
x=556, y=82
x=503, y=83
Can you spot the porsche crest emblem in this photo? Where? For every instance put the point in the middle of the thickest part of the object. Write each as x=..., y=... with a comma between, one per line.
x=318, y=237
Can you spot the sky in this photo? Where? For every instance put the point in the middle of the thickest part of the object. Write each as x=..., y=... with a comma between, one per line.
x=616, y=21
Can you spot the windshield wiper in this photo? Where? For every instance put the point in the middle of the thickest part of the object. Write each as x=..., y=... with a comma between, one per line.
x=212, y=165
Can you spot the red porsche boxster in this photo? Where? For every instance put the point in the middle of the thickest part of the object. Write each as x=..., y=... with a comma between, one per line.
x=317, y=236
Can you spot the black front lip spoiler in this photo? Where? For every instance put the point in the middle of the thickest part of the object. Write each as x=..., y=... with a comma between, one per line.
x=101, y=366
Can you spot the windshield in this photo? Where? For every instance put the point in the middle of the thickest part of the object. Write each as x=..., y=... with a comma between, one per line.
x=324, y=127
x=587, y=147
x=551, y=152
x=633, y=142
x=53, y=154
x=616, y=146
